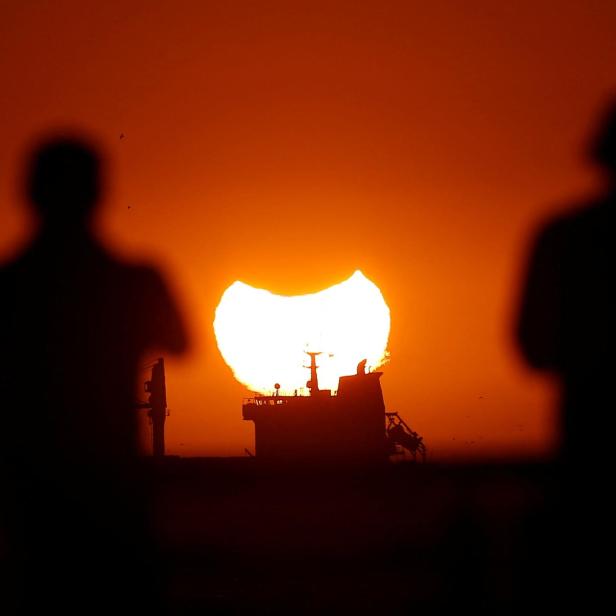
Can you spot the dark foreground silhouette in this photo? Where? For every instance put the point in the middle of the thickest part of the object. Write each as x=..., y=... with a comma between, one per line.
x=566, y=328
x=567, y=317
x=238, y=536
x=74, y=324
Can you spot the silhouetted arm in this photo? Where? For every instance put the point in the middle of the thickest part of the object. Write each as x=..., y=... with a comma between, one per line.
x=164, y=326
x=540, y=319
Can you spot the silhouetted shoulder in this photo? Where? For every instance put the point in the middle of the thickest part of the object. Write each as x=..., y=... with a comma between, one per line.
x=565, y=288
x=161, y=323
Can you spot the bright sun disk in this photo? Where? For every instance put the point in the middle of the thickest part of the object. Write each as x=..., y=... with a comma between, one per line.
x=263, y=337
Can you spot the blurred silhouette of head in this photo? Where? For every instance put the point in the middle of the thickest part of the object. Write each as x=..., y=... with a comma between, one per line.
x=604, y=145
x=64, y=181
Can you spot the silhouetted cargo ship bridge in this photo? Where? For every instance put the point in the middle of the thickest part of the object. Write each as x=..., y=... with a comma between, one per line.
x=351, y=426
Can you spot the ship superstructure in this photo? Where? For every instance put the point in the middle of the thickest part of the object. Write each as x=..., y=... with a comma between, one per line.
x=348, y=426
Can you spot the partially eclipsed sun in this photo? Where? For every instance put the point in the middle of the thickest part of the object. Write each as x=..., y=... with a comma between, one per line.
x=263, y=337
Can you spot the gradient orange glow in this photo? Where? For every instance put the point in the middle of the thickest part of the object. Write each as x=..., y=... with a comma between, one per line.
x=419, y=142
x=264, y=337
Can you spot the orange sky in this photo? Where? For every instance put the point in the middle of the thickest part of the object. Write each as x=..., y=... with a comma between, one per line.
x=287, y=144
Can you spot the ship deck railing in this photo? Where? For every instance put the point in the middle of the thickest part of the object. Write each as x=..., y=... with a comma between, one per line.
x=267, y=400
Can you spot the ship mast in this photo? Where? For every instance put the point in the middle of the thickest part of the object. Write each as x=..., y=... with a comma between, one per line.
x=313, y=383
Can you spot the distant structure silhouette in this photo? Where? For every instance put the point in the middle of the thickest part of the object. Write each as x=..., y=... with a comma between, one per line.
x=74, y=325
x=330, y=429
x=566, y=319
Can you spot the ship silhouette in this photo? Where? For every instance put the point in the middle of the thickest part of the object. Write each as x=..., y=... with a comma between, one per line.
x=349, y=426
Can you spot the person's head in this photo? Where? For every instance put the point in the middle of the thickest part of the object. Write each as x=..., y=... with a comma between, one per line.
x=63, y=180
x=603, y=149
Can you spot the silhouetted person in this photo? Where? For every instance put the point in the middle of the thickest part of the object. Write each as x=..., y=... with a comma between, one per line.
x=566, y=328
x=566, y=321
x=74, y=324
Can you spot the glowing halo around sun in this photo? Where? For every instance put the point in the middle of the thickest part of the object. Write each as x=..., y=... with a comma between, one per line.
x=263, y=337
